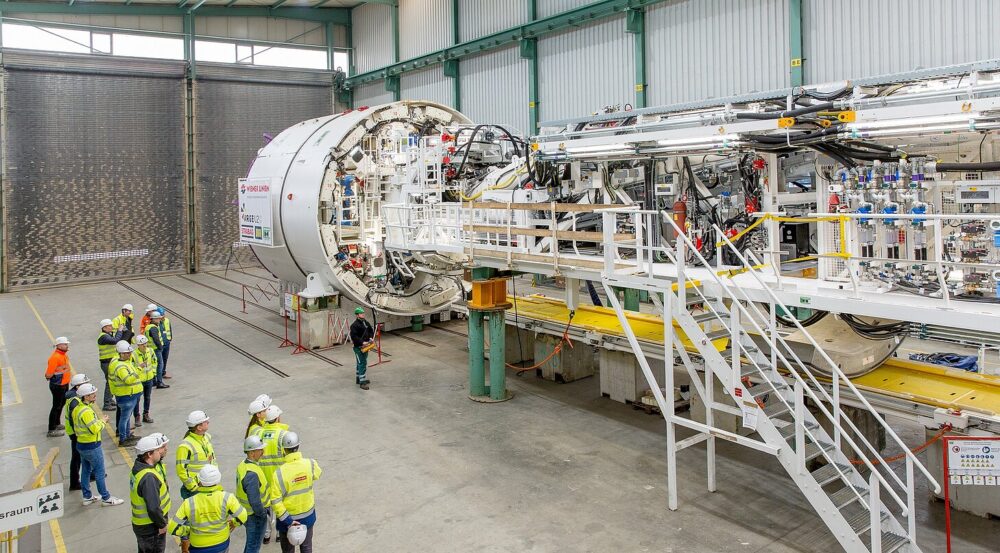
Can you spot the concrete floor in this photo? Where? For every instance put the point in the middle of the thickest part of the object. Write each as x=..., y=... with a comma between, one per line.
x=412, y=464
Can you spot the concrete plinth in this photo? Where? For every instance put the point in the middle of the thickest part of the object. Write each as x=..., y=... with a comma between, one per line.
x=566, y=366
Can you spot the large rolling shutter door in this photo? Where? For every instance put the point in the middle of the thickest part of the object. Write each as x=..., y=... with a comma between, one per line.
x=93, y=168
x=235, y=108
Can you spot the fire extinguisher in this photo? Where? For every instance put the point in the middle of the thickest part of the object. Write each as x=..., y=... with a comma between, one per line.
x=679, y=214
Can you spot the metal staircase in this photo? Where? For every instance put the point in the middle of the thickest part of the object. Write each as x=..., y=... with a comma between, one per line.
x=790, y=409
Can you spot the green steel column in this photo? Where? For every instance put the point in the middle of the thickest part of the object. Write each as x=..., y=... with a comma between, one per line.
x=455, y=74
x=392, y=83
x=417, y=323
x=635, y=23
x=529, y=46
x=477, y=369
x=795, y=38
x=498, y=370
x=631, y=299
x=189, y=119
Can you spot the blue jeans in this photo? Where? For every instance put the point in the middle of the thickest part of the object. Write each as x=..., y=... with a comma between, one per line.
x=164, y=355
x=92, y=461
x=125, y=406
x=255, y=533
x=361, y=369
x=109, y=400
x=160, y=368
x=147, y=397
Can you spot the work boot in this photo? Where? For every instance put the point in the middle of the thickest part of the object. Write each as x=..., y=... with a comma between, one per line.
x=55, y=433
x=162, y=386
x=60, y=427
x=364, y=385
x=147, y=418
x=138, y=422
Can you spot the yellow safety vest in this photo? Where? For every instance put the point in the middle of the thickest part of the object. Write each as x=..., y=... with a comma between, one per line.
x=124, y=378
x=192, y=455
x=105, y=351
x=140, y=512
x=86, y=424
x=204, y=517
x=267, y=494
x=271, y=433
x=165, y=328
x=294, y=481
x=68, y=409
x=149, y=358
x=151, y=344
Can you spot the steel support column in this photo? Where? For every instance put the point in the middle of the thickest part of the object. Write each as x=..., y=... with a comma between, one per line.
x=454, y=71
x=189, y=139
x=635, y=24
x=498, y=370
x=532, y=71
x=417, y=323
x=389, y=85
x=477, y=354
x=795, y=38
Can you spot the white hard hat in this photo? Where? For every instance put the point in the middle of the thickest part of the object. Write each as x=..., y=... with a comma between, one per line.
x=272, y=414
x=156, y=314
x=78, y=379
x=152, y=442
x=290, y=440
x=151, y=307
x=62, y=340
x=252, y=443
x=127, y=306
x=106, y=322
x=141, y=339
x=209, y=475
x=86, y=389
x=195, y=418
x=256, y=406
x=265, y=399
x=296, y=535
x=123, y=347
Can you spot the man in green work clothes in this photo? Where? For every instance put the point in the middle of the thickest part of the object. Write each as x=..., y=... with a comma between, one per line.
x=362, y=334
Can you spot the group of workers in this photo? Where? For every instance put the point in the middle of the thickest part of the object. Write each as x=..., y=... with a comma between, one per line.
x=274, y=483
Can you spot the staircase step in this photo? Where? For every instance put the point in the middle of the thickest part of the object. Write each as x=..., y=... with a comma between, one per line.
x=715, y=334
x=750, y=370
x=705, y=317
x=788, y=432
x=775, y=408
x=766, y=388
x=845, y=496
x=859, y=517
x=693, y=299
x=814, y=450
x=828, y=473
x=890, y=542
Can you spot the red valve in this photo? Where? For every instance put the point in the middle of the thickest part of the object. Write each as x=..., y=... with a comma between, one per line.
x=759, y=164
x=697, y=243
x=834, y=202
x=446, y=160
x=452, y=149
x=731, y=233
x=445, y=137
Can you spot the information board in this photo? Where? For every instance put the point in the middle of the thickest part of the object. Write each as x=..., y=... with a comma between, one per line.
x=973, y=462
x=255, y=212
x=22, y=509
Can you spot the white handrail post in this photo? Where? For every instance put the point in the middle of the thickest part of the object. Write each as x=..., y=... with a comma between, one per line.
x=875, y=511
x=668, y=386
x=911, y=517
x=800, y=435
x=735, y=330
x=836, y=409
x=639, y=241
x=607, y=222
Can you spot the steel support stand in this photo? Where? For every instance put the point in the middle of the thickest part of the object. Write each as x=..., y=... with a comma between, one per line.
x=477, y=354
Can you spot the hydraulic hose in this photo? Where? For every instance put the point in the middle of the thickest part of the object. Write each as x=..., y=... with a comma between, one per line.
x=825, y=106
x=946, y=167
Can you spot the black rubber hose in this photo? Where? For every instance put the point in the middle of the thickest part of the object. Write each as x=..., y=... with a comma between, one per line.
x=778, y=139
x=846, y=162
x=825, y=106
x=988, y=166
x=827, y=96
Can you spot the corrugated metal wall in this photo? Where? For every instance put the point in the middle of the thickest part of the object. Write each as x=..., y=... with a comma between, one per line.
x=478, y=18
x=94, y=171
x=424, y=26
x=495, y=88
x=250, y=28
x=889, y=36
x=552, y=7
x=140, y=22
x=583, y=69
x=227, y=142
x=371, y=94
x=698, y=49
x=372, y=36
x=427, y=84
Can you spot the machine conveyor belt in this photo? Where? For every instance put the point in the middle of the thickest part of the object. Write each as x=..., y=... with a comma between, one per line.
x=907, y=380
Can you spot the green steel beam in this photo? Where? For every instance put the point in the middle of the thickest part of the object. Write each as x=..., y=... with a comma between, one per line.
x=635, y=24
x=189, y=120
x=278, y=4
x=182, y=3
x=392, y=82
x=452, y=69
x=795, y=38
x=529, y=50
x=198, y=5
x=340, y=16
x=534, y=29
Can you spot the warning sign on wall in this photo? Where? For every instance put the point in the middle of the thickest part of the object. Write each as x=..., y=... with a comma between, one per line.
x=973, y=462
x=255, y=212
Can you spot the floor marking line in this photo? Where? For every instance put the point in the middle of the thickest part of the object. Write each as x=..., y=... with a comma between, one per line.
x=14, y=389
x=57, y=535
x=121, y=450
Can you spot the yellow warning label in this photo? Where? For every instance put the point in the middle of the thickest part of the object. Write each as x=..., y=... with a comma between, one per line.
x=796, y=62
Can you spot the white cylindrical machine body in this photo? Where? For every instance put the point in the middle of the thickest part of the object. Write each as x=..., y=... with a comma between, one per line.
x=304, y=169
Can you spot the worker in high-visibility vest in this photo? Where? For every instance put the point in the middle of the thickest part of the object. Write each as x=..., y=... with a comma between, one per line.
x=88, y=426
x=204, y=520
x=296, y=503
x=106, y=341
x=257, y=411
x=155, y=336
x=254, y=492
x=167, y=336
x=362, y=334
x=58, y=373
x=149, y=494
x=72, y=400
x=123, y=322
x=126, y=385
x=145, y=360
x=271, y=434
x=194, y=453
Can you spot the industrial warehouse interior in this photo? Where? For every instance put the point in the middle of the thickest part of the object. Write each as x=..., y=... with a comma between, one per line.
x=499, y=275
